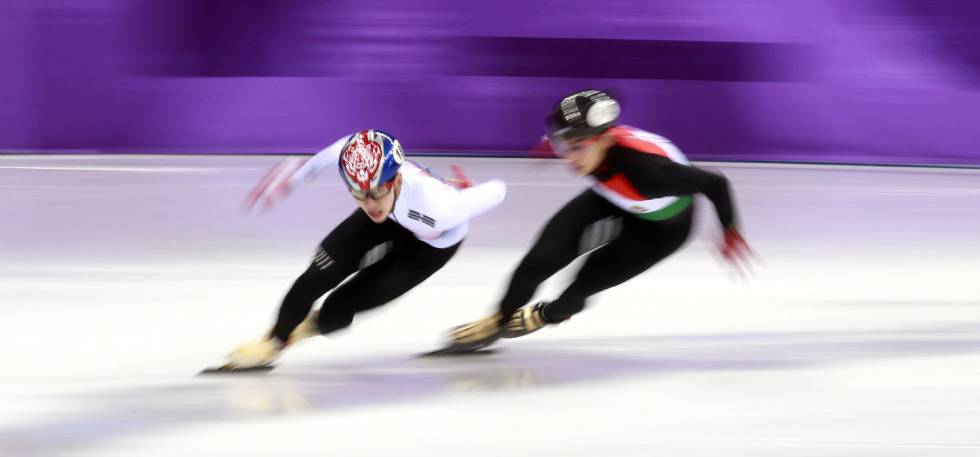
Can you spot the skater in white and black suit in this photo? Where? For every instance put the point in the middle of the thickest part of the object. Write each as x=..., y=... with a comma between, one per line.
x=637, y=177
x=422, y=220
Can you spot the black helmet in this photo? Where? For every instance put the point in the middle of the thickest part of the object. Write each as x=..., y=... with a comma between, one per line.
x=582, y=114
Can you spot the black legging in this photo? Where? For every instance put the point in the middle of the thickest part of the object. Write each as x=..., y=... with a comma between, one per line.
x=408, y=262
x=640, y=244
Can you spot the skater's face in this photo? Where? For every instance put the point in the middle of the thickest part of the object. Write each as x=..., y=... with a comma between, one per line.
x=584, y=154
x=377, y=203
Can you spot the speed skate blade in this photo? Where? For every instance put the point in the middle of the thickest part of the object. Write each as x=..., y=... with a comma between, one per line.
x=457, y=352
x=227, y=369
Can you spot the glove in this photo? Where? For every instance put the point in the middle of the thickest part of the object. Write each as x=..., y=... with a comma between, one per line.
x=274, y=186
x=543, y=150
x=459, y=180
x=735, y=251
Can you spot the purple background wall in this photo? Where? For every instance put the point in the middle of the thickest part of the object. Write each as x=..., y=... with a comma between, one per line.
x=889, y=81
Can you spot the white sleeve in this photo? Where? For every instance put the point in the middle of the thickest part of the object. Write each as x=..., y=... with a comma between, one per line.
x=327, y=158
x=465, y=204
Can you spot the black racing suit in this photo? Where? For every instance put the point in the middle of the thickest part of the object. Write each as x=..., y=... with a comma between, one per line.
x=640, y=244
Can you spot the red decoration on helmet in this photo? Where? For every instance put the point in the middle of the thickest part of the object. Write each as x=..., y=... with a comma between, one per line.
x=361, y=162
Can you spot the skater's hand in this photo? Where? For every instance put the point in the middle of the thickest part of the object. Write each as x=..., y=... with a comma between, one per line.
x=736, y=252
x=459, y=180
x=274, y=186
x=543, y=150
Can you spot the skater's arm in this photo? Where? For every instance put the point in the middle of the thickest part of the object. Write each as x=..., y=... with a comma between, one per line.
x=458, y=206
x=325, y=159
x=288, y=174
x=656, y=176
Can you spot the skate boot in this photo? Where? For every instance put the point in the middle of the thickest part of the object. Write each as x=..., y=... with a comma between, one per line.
x=528, y=319
x=261, y=354
x=473, y=336
x=255, y=354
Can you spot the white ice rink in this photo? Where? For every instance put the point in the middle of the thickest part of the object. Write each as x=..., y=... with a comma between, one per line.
x=859, y=333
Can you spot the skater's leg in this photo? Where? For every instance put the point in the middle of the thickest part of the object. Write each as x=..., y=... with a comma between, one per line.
x=556, y=246
x=337, y=257
x=641, y=245
x=409, y=263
